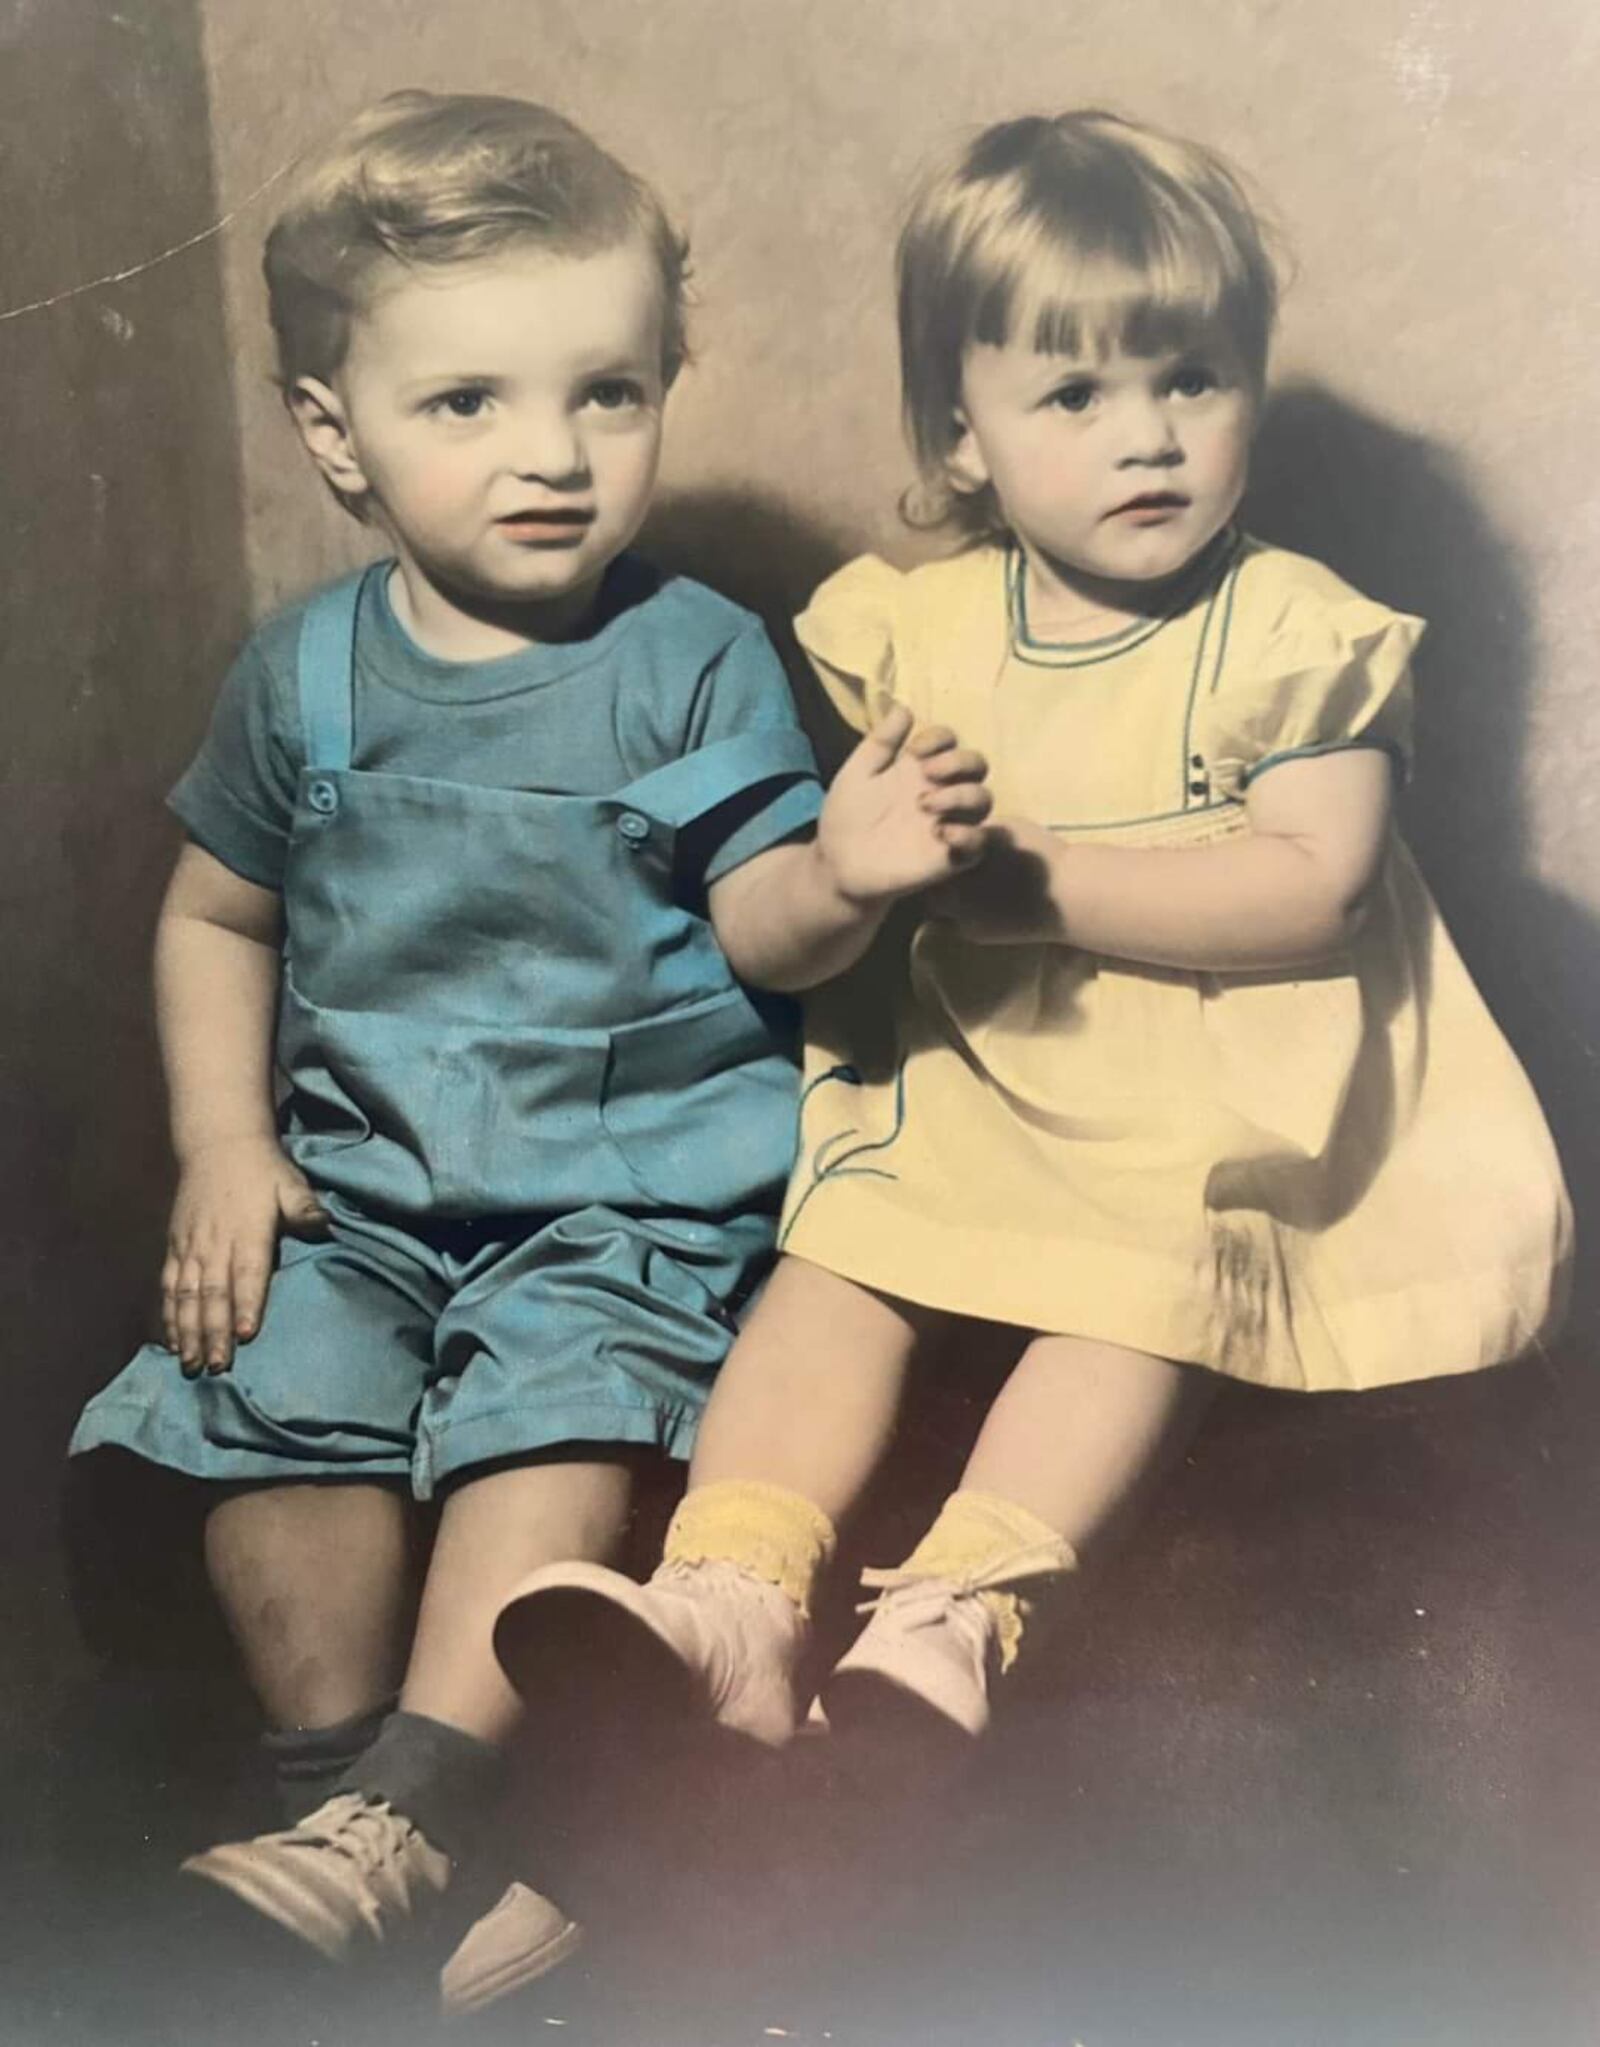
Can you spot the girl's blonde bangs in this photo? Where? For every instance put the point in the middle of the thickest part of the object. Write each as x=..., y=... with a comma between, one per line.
x=1066, y=296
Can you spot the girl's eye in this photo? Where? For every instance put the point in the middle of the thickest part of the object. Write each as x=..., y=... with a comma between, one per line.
x=1194, y=380
x=467, y=403
x=1077, y=396
x=615, y=394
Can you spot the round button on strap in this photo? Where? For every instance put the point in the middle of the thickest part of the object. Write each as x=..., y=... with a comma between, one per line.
x=323, y=797
x=634, y=828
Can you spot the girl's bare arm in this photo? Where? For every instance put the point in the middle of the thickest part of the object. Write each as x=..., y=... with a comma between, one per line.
x=1291, y=890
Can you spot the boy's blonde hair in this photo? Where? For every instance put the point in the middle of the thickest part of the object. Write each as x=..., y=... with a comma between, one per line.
x=1091, y=231
x=428, y=178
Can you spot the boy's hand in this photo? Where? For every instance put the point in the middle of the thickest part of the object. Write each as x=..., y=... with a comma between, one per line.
x=1006, y=898
x=233, y=1199
x=905, y=810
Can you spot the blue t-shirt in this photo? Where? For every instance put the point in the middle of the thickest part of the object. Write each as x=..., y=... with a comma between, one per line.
x=668, y=667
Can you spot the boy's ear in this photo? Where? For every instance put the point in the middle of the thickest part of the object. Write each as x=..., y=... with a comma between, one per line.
x=964, y=465
x=320, y=417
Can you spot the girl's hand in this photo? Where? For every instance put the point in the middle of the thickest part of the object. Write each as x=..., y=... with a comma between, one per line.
x=1006, y=898
x=234, y=1197
x=905, y=810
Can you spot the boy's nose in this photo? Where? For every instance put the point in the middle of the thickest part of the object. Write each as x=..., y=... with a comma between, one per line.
x=548, y=450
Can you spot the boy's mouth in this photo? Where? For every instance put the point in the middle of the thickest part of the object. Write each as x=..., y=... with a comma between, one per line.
x=560, y=525
x=1150, y=504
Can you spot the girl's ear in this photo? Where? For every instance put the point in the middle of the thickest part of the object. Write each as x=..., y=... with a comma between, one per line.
x=964, y=465
x=320, y=417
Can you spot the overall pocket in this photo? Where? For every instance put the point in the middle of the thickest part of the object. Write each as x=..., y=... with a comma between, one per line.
x=425, y=1118
x=701, y=1103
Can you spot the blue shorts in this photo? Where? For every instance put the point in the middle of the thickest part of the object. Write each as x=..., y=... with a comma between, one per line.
x=391, y=1354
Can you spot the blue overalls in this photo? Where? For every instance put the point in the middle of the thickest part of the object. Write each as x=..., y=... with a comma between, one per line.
x=550, y=1128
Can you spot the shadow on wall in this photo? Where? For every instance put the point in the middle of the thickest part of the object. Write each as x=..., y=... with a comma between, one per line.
x=122, y=591
x=1393, y=513
x=765, y=555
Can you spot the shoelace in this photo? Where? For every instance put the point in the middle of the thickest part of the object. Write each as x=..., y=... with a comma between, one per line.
x=672, y=1571
x=363, y=1831
x=1033, y=1560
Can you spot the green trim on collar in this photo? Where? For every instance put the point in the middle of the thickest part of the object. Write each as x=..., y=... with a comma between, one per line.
x=1090, y=653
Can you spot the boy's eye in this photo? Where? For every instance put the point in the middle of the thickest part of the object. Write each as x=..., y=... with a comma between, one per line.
x=1076, y=396
x=1194, y=380
x=615, y=394
x=466, y=403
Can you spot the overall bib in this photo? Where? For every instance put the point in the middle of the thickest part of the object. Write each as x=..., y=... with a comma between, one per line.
x=551, y=1129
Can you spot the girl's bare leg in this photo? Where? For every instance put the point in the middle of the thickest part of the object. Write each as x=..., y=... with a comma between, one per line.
x=810, y=1395
x=1082, y=1430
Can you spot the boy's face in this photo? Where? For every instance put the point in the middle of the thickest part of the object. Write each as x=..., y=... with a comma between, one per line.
x=503, y=418
x=1118, y=469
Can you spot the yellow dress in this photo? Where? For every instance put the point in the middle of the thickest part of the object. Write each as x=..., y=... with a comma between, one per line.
x=1329, y=1177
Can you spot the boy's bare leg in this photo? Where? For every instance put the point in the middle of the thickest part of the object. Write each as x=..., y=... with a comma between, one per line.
x=492, y=1532
x=1081, y=1430
x=317, y=1587
x=810, y=1394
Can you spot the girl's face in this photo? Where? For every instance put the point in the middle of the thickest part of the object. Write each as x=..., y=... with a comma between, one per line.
x=1113, y=470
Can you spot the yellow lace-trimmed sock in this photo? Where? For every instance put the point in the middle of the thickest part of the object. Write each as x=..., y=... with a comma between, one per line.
x=764, y=1529
x=984, y=1541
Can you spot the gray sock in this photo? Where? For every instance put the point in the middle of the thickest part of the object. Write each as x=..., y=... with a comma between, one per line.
x=444, y=1780
x=307, y=1762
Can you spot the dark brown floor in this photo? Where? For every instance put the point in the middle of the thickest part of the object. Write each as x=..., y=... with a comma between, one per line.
x=1307, y=1764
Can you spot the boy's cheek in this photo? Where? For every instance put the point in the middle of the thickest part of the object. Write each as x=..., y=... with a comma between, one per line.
x=437, y=495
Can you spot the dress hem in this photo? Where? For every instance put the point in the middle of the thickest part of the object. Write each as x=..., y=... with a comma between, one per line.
x=959, y=1272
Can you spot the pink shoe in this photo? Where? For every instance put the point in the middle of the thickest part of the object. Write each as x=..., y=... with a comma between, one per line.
x=933, y=1640
x=699, y=1641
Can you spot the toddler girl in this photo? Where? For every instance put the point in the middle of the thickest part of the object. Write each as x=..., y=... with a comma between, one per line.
x=1184, y=1077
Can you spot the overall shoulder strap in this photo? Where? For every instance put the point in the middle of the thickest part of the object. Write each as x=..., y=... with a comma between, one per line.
x=327, y=670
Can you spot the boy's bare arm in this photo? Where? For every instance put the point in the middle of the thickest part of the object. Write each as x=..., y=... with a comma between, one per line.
x=905, y=810
x=217, y=945
x=217, y=965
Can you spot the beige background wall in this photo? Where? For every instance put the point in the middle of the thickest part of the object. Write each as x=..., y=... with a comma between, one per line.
x=1377, y=1618
x=1431, y=164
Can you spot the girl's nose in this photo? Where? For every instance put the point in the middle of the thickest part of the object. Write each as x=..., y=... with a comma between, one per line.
x=1151, y=436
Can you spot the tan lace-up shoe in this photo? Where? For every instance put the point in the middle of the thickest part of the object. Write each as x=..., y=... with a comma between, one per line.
x=521, y=1939
x=699, y=1641
x=351, y=1873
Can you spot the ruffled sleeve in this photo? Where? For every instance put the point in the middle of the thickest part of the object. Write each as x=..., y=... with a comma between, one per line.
x=1334, y=672
x=848, y=633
